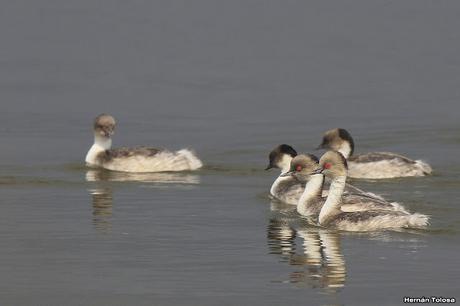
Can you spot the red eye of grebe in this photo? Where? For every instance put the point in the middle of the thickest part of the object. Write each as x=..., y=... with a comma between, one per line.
x=298, y=168
x=327, y=165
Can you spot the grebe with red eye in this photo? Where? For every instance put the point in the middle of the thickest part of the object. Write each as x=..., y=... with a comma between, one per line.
x=139, y=159
x=288, y=189
x=331, y=214
x=312, y=199
x=375, y=165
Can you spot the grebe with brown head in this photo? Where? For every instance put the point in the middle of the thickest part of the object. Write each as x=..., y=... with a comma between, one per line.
x=138, y=159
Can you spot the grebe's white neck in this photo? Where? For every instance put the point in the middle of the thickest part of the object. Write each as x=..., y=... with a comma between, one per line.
x=285, y=163
x=313, y=190
x=100, y=144
x=334, y=199
x=345, y=149
x=277, y=182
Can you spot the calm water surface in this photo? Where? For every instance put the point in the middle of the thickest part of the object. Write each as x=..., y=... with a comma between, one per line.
x=231, y=80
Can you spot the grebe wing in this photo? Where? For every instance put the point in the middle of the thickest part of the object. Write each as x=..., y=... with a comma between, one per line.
x=379, y=156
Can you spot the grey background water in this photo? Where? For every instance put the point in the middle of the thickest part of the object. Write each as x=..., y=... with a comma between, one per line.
x=230, y=79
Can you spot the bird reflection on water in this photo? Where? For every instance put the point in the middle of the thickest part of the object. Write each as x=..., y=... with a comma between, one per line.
x=102, y=209
x=96, y=175
x=102, y=194
x=314, y=252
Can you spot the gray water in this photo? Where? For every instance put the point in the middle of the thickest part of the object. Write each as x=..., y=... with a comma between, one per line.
x=231, y=80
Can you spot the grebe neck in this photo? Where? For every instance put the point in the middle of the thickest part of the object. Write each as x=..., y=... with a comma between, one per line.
x=313, y=191
x=345, y=149
x=285, y=163
x=100, y=144
x=334, y=199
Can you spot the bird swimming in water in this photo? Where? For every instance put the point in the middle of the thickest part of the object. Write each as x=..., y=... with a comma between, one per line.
x=374, y=165
x=334, y=165
x=137, y=159
x=288, y=189
x=313, y=198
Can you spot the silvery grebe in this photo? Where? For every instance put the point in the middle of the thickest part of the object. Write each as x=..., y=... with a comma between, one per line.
x=285, y=189
x=139, y=159
x=375, y=165
x=288, y=189
x=312, y=199
x=334, y=165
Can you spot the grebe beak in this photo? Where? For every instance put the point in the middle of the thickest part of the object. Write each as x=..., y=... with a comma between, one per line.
x=318, y=170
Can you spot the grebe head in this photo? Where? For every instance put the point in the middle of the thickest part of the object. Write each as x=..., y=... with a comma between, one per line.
x=104, y=126
x=332, y=164
x=302, y=166
x=338, y=140
x=280, y=157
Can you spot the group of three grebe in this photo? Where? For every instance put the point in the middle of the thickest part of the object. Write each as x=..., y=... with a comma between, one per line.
x=302, y=179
